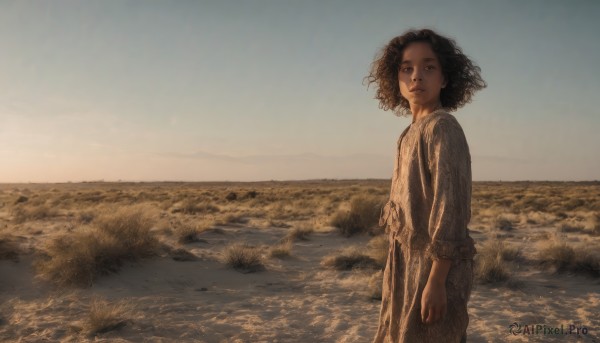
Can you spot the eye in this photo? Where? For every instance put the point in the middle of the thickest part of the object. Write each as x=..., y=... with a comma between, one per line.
x=406, y=69
x=430, y=67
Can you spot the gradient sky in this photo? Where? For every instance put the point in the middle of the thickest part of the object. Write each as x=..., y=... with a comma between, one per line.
x=261, y=90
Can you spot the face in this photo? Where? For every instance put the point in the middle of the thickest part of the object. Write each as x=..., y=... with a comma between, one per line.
x=420, y=76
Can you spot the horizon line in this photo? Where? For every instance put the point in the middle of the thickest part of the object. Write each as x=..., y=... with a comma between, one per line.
x=261, y=181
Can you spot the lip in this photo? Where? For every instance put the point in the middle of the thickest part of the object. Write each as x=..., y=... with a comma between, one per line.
x=416, y=89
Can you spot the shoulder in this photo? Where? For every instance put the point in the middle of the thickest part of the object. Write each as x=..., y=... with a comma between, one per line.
x=442, y=124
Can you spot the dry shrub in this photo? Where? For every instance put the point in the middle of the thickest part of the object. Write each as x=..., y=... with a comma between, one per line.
x=300, y=232
x=490, y=261
x=192, y=206
x=21, y=199
x=86, y=217
x=187, y=233
x=586, y=262
x=282, y=250
x=104, y=317
x=564, y=258
x=363, y=215
x=243, y=257
x=557, y=254
x=131, y=227
x=538, y=218
x=569, y=227
x=277, y=223
x=379, y=248
x=350, y=258
x=376, y=285
x=232, y=218
x=9, y=249
x=504, y=222
x=182, y=255
x=81, y=257
x=595, y=227
x=24, y=213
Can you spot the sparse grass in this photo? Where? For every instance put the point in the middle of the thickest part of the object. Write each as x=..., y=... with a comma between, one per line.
x=350, y=258
x=363, y=215
x=243, y=257
x=79, y=258
x=104, y=317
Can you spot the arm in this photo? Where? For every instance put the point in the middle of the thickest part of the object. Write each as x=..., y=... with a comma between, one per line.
x=433, y=300
x=450, y=169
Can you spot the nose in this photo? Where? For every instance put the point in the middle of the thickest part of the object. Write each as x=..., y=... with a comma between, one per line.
x=417, y=76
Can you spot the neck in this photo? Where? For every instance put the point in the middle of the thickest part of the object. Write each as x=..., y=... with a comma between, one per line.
x=419, y=111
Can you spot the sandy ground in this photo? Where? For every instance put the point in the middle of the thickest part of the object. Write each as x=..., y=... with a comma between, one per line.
x=293, y=300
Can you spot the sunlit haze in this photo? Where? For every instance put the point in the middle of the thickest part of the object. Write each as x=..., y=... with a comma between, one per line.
x=262, y=90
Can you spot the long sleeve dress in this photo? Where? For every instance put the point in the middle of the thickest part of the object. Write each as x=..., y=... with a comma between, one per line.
x=426, y=218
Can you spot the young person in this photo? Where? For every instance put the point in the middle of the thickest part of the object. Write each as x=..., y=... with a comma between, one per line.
x=428, y=277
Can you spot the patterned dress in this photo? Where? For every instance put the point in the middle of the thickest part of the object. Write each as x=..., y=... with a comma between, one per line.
x=426, y=218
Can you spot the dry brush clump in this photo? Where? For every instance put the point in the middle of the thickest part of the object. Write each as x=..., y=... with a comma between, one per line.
x=79, y=258
x=565, y=258
x=363, y=215
x=9, y=248
x=504, y=222
x=350, y=258
x=491, y=261
x=25, y=212
x=189, y=233
x=192, y=206
x=281, y=250
x=375, y=285
x=299, y=233
x=104, y=317
x=379, y=247
x=243, y=257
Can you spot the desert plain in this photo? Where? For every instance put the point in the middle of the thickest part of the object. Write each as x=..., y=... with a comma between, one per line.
x=293, y=261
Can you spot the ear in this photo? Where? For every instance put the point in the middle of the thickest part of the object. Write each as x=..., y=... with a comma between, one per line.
x=444, y=83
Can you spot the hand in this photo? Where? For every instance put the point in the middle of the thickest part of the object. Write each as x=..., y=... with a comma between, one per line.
x=433, y=302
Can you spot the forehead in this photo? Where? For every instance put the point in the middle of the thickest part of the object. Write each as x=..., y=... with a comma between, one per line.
x=418, y=52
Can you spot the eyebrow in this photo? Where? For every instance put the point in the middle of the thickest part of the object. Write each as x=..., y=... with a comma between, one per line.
x=426, y=59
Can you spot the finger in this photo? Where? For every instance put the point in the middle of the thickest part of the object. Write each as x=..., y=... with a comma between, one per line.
x=433, y=315
x=425, y=314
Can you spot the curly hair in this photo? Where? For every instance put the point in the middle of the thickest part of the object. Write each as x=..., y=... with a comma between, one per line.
x=461, y=74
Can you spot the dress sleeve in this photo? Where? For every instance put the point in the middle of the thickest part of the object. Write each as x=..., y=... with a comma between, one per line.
x=449, y=163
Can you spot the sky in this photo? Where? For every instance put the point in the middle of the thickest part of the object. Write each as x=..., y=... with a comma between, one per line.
x=273, y=90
